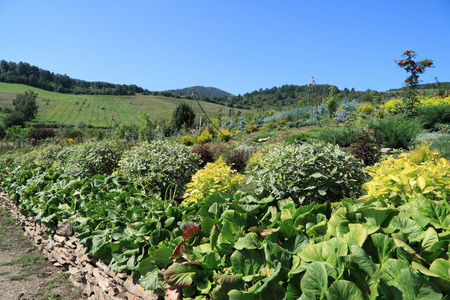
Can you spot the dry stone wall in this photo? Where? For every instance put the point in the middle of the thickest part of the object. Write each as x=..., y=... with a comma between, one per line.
x=63, y=250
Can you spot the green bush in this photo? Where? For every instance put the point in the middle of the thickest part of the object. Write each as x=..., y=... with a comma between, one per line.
x=160, y=166
x=298, y=137
x=342, y=136
x=442, y=144
x=398, y=131
x=91, y=158
x=308, y=173
x=434, y=115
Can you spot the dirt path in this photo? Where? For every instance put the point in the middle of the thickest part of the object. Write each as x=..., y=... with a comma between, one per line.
x=24, y=272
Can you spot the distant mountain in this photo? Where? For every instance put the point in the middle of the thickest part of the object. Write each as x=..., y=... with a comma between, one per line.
x=201, y=92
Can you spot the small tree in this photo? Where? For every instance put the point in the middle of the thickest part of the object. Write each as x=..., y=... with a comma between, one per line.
x=183, y=115
x=414, y=68
x=26, y=104
x=147, y=132
x=332, y=101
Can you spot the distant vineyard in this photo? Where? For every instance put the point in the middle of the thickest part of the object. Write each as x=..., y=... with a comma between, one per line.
x=96, y=111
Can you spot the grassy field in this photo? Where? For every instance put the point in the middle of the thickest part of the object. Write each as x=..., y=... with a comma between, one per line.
x=57, y=108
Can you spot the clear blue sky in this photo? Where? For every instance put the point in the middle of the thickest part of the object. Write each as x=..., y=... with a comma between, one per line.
x=236, y=45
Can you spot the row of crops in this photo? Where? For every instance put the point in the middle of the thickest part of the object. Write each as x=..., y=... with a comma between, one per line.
x=387, y=238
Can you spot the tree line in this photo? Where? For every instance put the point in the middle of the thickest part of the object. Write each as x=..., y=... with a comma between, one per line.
x=25, y=73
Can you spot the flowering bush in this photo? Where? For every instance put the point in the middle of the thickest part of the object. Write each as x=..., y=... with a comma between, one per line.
x=394, y=106
x=365, y=108
x=205, y=137
x=434, y=101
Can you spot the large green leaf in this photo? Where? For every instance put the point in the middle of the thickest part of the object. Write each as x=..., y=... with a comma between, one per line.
x=180, y=275
x=344, y=290
x=212, y=261
x=333, y=249
x=436, y=213
x=226, y=283
x=441, y=267
x=407, y=227
x=363, y=260
x=147, y=265
x=149, y=281
x=315, y=279
x=414, y=286
x=247, y=262
x=338, y=216
x=430, y=239
x=161, y=257
x=236, y=220
x=385, y=246
x=392, y=267
x=357, y=234
x=313, y=252
x=438, y=273
x=375, y=217
x=271, y=288
x=226, y=239
x=249, y=241
x=241, y=295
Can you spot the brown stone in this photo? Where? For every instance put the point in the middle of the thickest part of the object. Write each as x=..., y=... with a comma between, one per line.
x=98, y=293
x=65, y=228
x=131, y=296
x=105, y=269
x=137, y=290
x=59, y=239
x=102, y=282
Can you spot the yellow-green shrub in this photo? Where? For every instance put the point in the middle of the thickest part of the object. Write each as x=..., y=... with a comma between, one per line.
x=394, y=106
x=205, y=137
x=433, y=101
x=398, y=180
x=188, y=140
x=224, y=135
x=214, y=177
x=255, y=159
x=251, y=128
x=365, y=108
x=423, y=153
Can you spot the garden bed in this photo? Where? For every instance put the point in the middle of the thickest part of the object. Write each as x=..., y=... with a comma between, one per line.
x=94, y=277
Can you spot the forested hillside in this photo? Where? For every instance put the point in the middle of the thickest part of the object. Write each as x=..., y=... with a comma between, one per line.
x=201, y=91
x=25, y=73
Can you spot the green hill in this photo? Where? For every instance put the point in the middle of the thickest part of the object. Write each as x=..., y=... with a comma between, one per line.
x=201, y=91
x=97, y=110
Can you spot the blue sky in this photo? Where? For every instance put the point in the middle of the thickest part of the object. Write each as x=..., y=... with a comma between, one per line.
x=237, y=46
